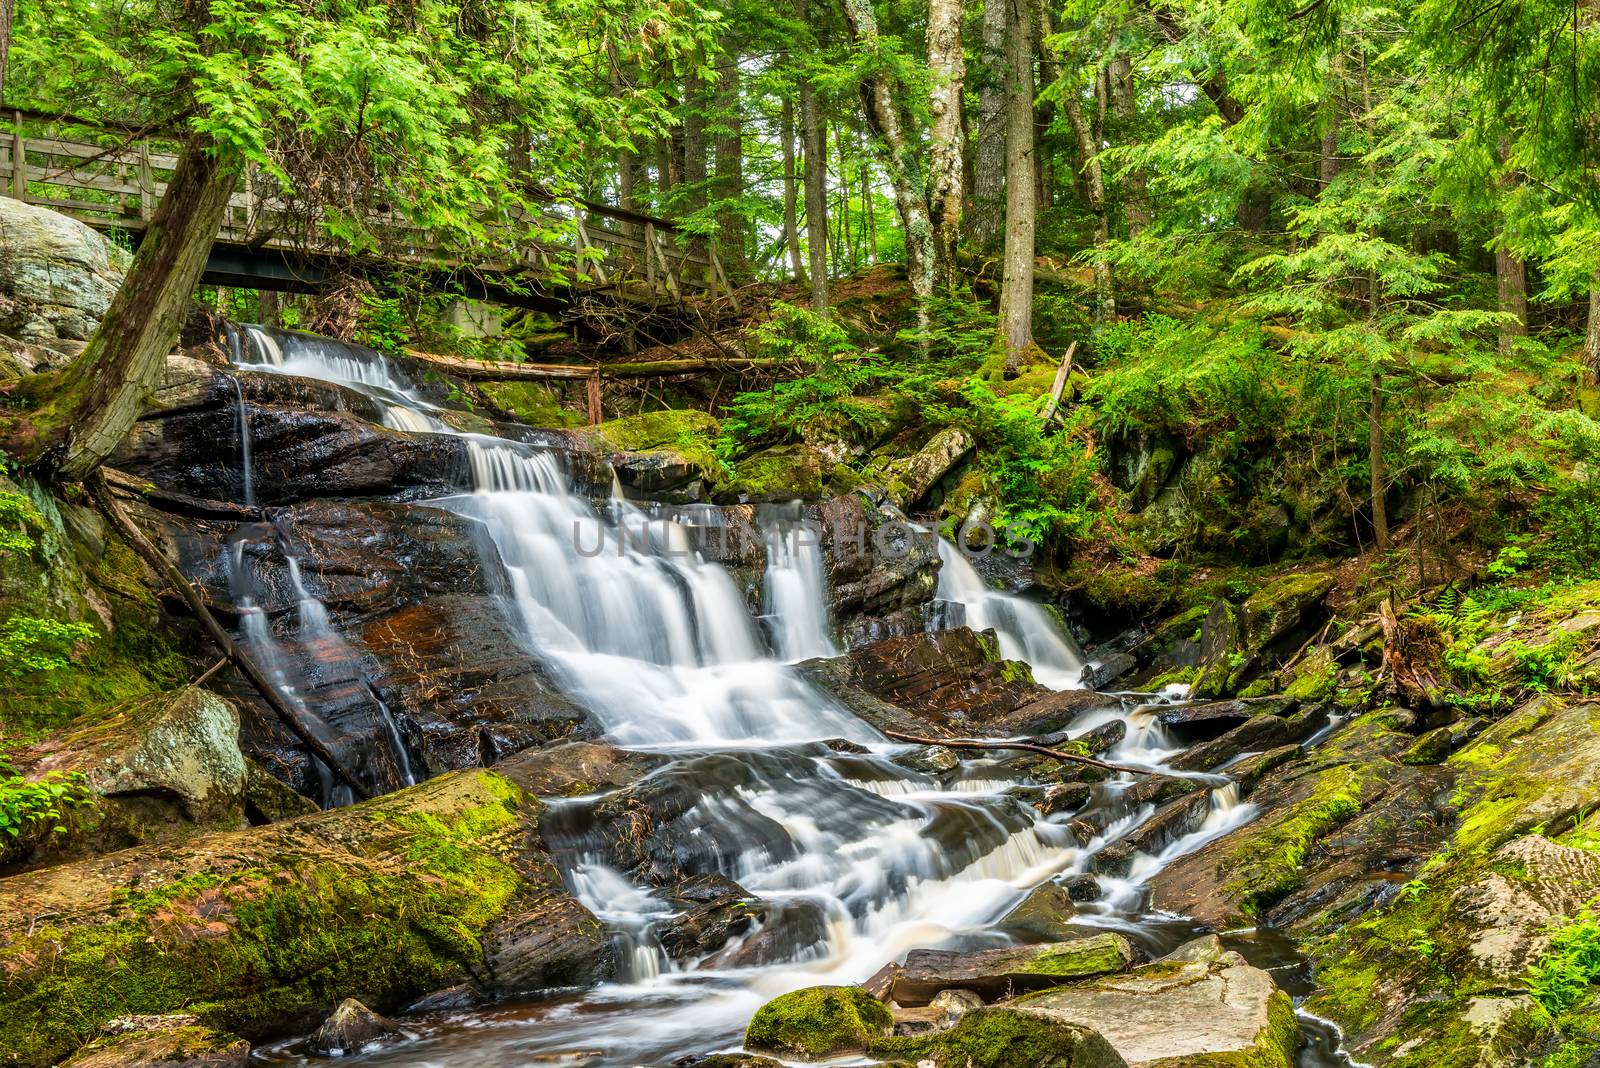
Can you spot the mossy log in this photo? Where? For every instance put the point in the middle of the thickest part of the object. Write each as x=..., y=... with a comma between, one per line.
x=503, y=371
x=261, y=932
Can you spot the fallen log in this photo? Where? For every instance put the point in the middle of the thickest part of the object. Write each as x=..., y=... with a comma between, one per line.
x=100, y=491
x=1026, y=747
x=1060, y=384
x=503, y=371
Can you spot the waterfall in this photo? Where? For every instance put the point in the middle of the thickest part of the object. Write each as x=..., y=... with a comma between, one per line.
x=794, y=589
x=855, y=858
x=1027, y=631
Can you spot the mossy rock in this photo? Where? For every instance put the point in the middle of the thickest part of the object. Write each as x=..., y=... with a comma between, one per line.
x=784, y=472
x=190, y=1045
x=1006, y=1038
x=530, y=403
x=258, y=932
x=818, y=1022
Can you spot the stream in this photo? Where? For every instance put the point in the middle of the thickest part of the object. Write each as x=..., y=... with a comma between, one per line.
x=860, y=858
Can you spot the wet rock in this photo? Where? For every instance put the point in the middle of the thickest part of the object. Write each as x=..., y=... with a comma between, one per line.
x=1208, y=719
x=995, y=973
x=575, y=768
x=436, y=885
x=1169, y=824
x=881, y=572
x=818, y=1022
x=450, y=999
x=1005, y=1037
x=1201, y=1005
x=174, y=1041
x=781, y=473
x=57, y=275
x=1106, y=669
x=1255, y=734
x=948, y=682
x=1065, y=797
x=929, y=760
x=352, y=1027
x=781, y=932
x=704, y=889
x=708, y=927
x=1045, y=915
x=727, y=1060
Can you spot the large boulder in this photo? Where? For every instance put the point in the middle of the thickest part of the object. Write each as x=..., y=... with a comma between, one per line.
x=257, y=932
x=1005, y=1037
x=818, y=1023
x=1200, y=1007
x=907, y=479
x=57, y=276
x=946, y=683
x=172, y=1041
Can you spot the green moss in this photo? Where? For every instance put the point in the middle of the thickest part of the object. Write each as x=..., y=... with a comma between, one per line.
x=530, y=403
x=783, y=471
x=818, y=1022
x=1267, y=865
x=267, y=945
x=1005, y=1038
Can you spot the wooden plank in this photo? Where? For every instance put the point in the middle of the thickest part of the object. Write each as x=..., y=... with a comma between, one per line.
x=19, y=158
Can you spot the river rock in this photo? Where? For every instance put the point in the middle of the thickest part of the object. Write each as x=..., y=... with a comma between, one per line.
x=351, y=1027
x=575, y=768
x=258, y=931
x=1199, y=1005
x=995, y=973
x=1106, y=668
x=57, y=275
x=708, y=927
x=172, y=1041
x=818, y=1022
x=1004, y=1037
x=1045, y=915
x=881, y=571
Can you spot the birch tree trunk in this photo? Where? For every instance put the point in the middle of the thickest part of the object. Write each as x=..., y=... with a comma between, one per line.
x=791, y=193
x=104, y=390
x=984, y=218
x=900, y=155
x=1016, y=294
x=947, y=68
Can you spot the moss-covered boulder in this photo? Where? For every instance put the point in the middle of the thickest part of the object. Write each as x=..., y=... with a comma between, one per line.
x=176, y=1041
x=1240, y=642
x=533, y=403
x=781, y=473
x=1003, y=1037
x=657, y=451
x=818, y=1022
x=258, y=932
x=1200, y=1007
x=994, y=973
x=906, y=479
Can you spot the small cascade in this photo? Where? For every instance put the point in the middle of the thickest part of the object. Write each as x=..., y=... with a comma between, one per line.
x=1027, y=631
x=794, y=588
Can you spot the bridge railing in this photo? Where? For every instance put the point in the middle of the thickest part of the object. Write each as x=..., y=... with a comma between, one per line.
x=117, y=184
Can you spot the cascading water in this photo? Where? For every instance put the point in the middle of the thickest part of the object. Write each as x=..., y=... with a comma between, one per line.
x=1026, y=631
x=857, y=859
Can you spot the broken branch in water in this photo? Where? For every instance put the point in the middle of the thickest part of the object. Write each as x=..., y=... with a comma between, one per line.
x=1027, y=747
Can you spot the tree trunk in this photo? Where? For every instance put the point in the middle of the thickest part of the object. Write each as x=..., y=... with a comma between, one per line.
x=900, y=155
x=947, y=68
x=1591, y=336
x=1135, y=188
x=1095, y=192
x=813, y=142
x=731, y=229
x=1328, y=160
x=6, y=7
x=695, y=146
x=1016, y=294
x=984, y=217
x=1511, y=282
x=121, y=367
x=791, y=193
x=1380, y=511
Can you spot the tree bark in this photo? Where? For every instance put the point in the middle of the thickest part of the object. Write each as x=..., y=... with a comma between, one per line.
x=1089, y=135
x=1332, y=115
x=1591, y=335
x=1124, y=109
x=695, y=146
x=900, y=155
x=984, y=217
x=1380, y=511
x=6, y=10
x=1016, y=294
x=791, y=193
x=732, y=232
x=947, y=68
x=1511, y=282
x=104, y=389
x=813, y=141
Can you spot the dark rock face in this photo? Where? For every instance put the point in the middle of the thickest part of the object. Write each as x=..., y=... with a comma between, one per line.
x=881, y=572
x=948, y=682
x=419, y=633
x=351, y=1027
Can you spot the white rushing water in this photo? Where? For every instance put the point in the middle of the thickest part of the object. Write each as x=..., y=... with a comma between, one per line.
x=858, y=858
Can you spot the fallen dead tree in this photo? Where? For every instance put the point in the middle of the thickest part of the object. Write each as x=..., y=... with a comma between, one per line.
x=503, y=371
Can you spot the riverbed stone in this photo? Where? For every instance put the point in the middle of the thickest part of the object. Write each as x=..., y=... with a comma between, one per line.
x=1045, y=915
x=881, y=572
x=1201, y=1006
x=257, y=932
x=995, y=973
x=351, y=1027
x=818, y=1022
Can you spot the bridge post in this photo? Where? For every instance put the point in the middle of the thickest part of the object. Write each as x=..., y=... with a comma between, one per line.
x=147, y=184
x=19, y=159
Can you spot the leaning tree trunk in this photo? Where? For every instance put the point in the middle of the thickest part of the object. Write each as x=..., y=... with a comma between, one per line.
x=791, y=193
x=901, y=157
x=104, y=389
x=947, y=68
x=985, y=216
x=1016, y=294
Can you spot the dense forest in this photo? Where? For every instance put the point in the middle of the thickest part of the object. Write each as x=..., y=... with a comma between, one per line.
x=982, y=533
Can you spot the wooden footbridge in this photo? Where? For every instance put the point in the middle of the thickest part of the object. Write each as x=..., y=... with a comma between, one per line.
x=112, y=180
